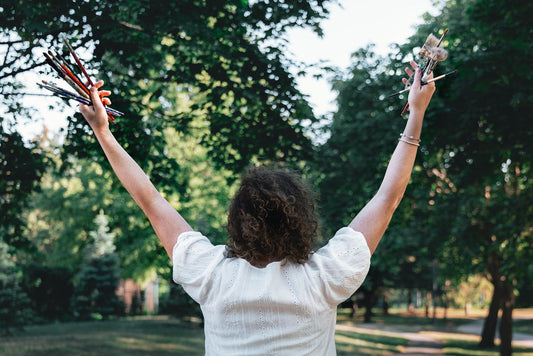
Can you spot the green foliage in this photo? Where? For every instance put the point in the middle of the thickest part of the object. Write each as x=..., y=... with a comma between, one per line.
x=481, y=134
x=63, y=212
x=476, y=290
x=178, y=303
x=99, y=276
x=49, y=290
x=21, y=168
x=470, y=191
x=226, y=56
x=14, y=310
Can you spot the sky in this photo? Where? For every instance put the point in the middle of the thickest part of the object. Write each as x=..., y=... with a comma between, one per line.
x=350, y=26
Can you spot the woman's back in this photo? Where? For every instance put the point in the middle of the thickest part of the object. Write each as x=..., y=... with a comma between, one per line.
x=285, y=308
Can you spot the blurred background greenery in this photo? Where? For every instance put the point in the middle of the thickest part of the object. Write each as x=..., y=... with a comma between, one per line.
x=208, y=88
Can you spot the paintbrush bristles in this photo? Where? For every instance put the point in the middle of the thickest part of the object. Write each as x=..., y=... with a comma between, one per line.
x=433, y=48
x=438, y=54
x=432, y=52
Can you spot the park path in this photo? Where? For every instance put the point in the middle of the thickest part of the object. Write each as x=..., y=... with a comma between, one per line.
x=475, y=327
x=422, y=344
x=419, y=344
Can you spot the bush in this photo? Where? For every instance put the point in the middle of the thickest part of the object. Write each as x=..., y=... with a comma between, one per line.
x=178, y=303
x=50, y=291
x=14, y=303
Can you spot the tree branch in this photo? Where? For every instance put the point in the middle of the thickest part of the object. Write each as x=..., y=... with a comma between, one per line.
x=20, y=70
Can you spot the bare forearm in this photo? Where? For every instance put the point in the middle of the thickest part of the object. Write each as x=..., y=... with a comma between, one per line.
x=402, y=161
x=127, y=170
x=166, y=221
x=374, y=218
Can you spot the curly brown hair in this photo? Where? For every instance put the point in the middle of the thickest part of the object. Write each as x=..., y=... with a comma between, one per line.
x=272, y=217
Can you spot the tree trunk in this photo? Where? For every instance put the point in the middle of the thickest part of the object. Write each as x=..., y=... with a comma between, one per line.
x=506, y=324
x=355, y=305
x=468, y=308
x=489, y=327
x=386, y=303
x=370, y=301
x=428, y=303
x=410, y=305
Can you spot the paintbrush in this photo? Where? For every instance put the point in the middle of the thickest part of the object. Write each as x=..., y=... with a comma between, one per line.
x=70, y=95
x=69, y=72
x=66, y=72
x=63, y=75
x=432, y=52
x=78, y=62
x=424, y=83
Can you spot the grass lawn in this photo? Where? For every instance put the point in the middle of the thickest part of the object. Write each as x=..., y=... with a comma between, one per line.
x=368, y=342
x=456, y=346
x=523, y=326
x=157, y=335
x=161, y=335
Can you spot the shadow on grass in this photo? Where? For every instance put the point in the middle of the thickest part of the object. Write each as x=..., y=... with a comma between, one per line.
x=471, y=348
x=523, y=326
x=355, y=343
x=405, y=321
x=160, y=335
x=134, y=336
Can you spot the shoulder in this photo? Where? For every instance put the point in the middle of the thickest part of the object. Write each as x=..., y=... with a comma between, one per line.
x=341, y=265
x=346, y=241
x=193, y=245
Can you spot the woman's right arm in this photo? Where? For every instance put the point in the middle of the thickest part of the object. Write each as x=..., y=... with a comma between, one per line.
x=166, y=221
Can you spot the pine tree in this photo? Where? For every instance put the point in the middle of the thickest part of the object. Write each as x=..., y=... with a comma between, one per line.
x=14, y=302
x=98, y=276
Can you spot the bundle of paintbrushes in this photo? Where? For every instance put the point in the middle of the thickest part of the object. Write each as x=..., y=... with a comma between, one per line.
x=66, y=72
x=430, y=55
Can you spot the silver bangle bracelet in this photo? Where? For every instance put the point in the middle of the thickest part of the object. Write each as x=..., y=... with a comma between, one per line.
x=410, y=137
x=409, y=142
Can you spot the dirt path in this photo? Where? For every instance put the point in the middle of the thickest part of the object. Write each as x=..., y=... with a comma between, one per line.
x=423, y=344
x=475, y=327
x=419, y=344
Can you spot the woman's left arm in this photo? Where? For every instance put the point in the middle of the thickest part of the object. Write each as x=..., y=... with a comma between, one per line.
x=374, y=218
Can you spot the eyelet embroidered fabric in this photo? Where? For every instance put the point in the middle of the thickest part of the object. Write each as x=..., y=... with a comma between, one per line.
x=281, y=309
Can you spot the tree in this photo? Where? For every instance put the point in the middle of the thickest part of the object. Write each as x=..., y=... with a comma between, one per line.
x=352, y=162
x=482, y=132
x=471, y=186
x=14, y=310
x=226, y=56
x=62, y=212
x=21, y=168
x=99, y=276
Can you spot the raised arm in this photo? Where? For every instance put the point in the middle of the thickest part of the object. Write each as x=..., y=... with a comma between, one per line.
x=165, y=220
x=374, y=218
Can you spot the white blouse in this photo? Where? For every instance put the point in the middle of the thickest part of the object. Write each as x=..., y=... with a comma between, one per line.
x=281, y=309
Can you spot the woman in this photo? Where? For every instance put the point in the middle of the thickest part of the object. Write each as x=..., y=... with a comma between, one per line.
x=265, y=293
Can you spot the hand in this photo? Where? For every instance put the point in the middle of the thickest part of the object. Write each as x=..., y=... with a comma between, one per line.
x=419, y=95
x=95, y=114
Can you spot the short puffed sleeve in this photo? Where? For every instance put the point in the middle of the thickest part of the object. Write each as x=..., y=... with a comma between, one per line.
x=341, y=266
x=194, y=260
